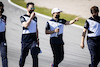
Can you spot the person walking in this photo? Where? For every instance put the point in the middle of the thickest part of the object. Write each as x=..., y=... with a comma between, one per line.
x=54, y=27
x=3, y=44
x=92, y=26
x=30, y=39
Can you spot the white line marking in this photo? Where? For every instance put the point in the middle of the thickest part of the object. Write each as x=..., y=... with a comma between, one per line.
x=39, y=13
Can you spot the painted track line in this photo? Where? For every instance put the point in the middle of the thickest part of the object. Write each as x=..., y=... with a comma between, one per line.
x=39, y=13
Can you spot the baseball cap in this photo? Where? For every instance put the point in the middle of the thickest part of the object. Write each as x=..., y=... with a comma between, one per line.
x=55, y=10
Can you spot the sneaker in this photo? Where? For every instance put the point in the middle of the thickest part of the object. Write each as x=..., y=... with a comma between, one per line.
x=89, y=65
x=52, y=65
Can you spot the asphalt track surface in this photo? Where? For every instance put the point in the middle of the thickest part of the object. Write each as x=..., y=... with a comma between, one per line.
x=74, y=55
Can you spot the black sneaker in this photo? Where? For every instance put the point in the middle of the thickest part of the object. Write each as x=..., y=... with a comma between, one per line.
x=89, y=65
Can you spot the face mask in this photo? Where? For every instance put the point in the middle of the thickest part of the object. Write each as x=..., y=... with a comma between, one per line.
x=57, y=16
x=2, y=10
x=95, y=17
x=31, y=11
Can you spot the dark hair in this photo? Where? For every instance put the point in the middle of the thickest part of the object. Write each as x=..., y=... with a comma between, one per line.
x=30, y=3
x=1, y=4
x=94, y=9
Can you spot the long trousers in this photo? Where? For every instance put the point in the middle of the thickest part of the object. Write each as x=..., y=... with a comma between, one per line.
x=24, y=52
x=3, y=50
x=58, y=53
x=94, y=48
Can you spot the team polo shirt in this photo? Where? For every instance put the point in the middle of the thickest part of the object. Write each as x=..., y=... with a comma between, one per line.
x=29, y=33
x=52, y=25
x=2, y=28
x=93, y=27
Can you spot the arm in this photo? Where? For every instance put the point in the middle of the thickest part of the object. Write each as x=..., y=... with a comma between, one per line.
x=5, y=22
x=35, y=19
x=37, y=31
x=83, y=38
x=26, y=24
x=5, y=27
x=72, y=21
x=37, y=36
x=49, y=32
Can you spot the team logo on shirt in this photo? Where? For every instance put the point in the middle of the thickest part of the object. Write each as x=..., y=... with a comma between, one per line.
x=60, y=21
x=22, y=19
x=35, y=19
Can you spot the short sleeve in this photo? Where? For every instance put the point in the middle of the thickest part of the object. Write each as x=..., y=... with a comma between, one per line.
x=47, y=26
x=4, y=18
x=86, y=26
x=35, y=19
x=63, y=21
x=22, y=19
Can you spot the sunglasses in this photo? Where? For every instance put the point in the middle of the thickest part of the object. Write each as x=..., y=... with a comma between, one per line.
x=33, y=8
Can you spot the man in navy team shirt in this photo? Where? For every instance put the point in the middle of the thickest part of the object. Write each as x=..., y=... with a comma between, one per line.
x=55, y=28
x=3, y=45
x=30, y=40
x=92, y=25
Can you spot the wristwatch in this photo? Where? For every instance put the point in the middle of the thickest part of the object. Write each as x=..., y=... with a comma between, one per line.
x=38, y=39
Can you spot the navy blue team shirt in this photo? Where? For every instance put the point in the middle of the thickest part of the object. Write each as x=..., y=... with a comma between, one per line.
x=28, y=38
x=59, y=39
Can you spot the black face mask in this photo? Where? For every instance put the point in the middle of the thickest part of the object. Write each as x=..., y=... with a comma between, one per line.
x=2, y=10
x=57, y=16
x=31, y=11
x=95, y=17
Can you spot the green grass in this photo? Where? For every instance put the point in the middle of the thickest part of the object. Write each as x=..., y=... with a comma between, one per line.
x=47, y=12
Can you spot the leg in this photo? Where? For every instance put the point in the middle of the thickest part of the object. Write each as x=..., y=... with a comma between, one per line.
x=93, y=52
x=98, y=53
x=24, y=53
x=34, y=53
x=58, y=53
x=4, y=54
x=61, y=53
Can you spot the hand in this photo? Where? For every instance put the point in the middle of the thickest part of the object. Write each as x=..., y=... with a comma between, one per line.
x=76, y=19
x=32, y=15
x=38, y=42
x=56, y=30
x=82, y=45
